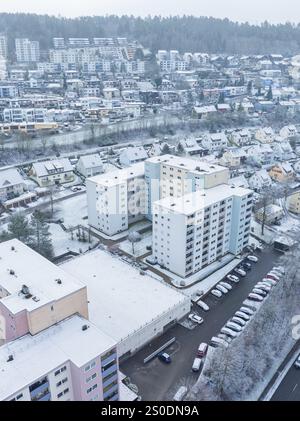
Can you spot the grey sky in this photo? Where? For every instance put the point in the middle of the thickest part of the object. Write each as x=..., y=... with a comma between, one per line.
x=242, y=10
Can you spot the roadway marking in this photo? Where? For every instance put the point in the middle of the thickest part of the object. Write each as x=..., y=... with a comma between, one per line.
x=295, y=387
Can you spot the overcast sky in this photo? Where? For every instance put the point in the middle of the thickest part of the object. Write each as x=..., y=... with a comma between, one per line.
x=241, y=10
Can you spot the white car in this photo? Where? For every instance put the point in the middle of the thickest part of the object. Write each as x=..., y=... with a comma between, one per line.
x=263, y=287
x=196, y=319
x=240, y=271
x=255, y=297
x=216, y=293
x=228, y=332
x=222, y=289
x=297, y=362
x=252, y=259
x=180, y=394
x=233, y=278
x=216, y=342
x=259, y=292
x=274, y=276
x=247, y=310
x=242, y=315
x=203, y=305
x=279, y=269
x=234, y=326
x=226, y=285
x=239, y=321
x=270, y=281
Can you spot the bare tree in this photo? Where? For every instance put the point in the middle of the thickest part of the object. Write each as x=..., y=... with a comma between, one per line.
x=134, y=237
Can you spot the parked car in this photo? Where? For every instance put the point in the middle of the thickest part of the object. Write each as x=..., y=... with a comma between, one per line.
x=202, y=349
x=255, y=297
x=216, y=293
x=195, y=318
x=222, y=289
x=228, y=332
x=279, y=269
x=234, y=326
x=239, y=321
x=240, y=271
x=247, y=310
x=164, y=357
x=216, y=342
x=259, y=292
x=276, y=273
x=270, y=281
x=273, y=276
x=203, y=305
x=226, y=285
x=252, y=258
x=233, y=278
x=242, y=315
x=246, y=266
x=297, y=362
x=263, y=287
x=180, y=394
x=197, y=364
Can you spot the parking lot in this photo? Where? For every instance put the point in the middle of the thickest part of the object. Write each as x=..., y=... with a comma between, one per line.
x=158, y=381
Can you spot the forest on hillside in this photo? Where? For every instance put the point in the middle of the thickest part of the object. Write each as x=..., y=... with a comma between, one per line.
x=187, y=33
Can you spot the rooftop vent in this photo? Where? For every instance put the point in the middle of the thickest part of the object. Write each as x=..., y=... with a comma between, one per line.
x=12, y=248
x=85, y=327
x=10, y=358
x=11, y=272
x=58, y=281
x=25, y=290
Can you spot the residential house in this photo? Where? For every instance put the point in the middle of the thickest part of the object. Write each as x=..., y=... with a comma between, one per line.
x=270, y=214
x=241, y=137
x=265, y=135
x=90, y=165
x=260, y=180
x=50, y=173
x=215, y=141
x=191, y=147
x=232, y=158
x=282, y=172
x=293, y=203
x=283, y=151
x=288, y=132
x=205, y=111
x=12, y=184
x=133, y=155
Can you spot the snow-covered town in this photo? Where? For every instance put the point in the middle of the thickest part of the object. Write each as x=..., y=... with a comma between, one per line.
x=149, y=217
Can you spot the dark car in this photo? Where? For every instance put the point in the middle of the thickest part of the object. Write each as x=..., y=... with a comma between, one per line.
x=247, y=266
x=164, y=357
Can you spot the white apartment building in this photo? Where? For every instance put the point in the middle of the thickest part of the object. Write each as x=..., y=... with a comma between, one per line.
x=194, y=230
x=29, y=115
x=26, y=50
x=117, y=199
x=70, y=361
x=3, y=46
x=3, y=68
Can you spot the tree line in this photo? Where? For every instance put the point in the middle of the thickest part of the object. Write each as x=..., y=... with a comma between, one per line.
x=186, y=33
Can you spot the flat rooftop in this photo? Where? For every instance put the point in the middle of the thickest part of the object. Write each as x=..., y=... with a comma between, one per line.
x=195, y=201
x=121, y=301
x=46, y=282
x=116, y=177
x=35, y=356
x=190, y=164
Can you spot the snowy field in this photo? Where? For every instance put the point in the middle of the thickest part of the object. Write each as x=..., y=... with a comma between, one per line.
x=63, y=243
x=140, y=248
x=73, y=211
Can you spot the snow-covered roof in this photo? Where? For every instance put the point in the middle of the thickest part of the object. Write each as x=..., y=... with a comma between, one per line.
x=10, y=177
x=121, y=301
x=134, y=153
x=119, y=176
x=35, y=356
x=45, y=168
x=91, y=161
x=20, y=265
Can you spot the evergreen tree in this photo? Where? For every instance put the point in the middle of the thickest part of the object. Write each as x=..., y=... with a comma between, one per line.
x=19, y=228
x=41, y=238
x=270, y=94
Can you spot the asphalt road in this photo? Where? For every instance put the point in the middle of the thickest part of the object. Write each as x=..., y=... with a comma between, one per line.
x=289, y=389
x=157, y=381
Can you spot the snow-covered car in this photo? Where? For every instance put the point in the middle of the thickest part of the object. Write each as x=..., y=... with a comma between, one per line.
x=240, y=272
x=226, y=285
x=216, y=342
x=273, y=276
x=197, y=364
x=233, y=278
x=297, y=362
x=216, y=293
x=263, y=287
x=234, y=326
x=195, y=318
x=222, y=289
x=255, y=297
x=180, y=394
x=270, y=281
x=247, y=310
x=279, y=269
x=247, y=266
x=229, y=332
x=259, y=292
x=203, y=305
x=242, y=315
x=239, y=321
x=252, y=258
x=202, y=349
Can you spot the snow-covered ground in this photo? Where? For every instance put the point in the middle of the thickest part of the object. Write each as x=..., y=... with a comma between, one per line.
x=140, y=248
x=63, y=243
x=73, y=211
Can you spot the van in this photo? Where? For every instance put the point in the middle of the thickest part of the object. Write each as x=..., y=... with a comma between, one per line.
x=196, y=364
x=202, y=349
x=180, y=394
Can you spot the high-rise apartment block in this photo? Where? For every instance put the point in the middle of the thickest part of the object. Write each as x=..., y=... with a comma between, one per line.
x=27, y=51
